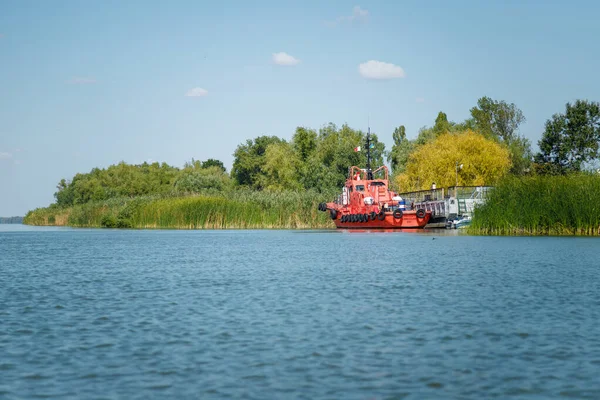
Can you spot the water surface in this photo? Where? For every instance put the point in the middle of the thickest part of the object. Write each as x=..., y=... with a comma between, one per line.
x=296, y=314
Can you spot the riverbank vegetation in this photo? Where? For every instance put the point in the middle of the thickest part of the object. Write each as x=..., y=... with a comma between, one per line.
x=278, y=183
x=239, y=209
x=541, y=205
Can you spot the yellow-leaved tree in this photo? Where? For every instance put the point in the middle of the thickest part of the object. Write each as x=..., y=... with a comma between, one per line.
x=483, y=162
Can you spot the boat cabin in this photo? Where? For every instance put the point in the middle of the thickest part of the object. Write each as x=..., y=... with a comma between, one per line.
x=361, y=191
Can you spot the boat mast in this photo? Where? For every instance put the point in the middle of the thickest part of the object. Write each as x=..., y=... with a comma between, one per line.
x=369, y=172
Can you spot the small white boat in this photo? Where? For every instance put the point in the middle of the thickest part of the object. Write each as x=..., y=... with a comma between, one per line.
x=459, y=222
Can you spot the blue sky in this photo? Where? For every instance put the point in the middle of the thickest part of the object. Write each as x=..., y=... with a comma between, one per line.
x=89, y=84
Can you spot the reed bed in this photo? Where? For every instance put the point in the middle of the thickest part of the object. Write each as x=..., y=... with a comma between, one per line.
x=541, y=205
x=239, y=209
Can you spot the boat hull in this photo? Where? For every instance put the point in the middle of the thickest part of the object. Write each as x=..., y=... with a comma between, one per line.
x=408, y=221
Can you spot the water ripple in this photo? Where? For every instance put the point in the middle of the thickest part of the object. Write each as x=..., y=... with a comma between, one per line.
x=300, y=315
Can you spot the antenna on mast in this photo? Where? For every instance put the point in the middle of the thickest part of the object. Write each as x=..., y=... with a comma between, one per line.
x=369, y=172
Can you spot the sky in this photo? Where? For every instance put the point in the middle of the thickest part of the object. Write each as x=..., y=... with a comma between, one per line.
x=90, y=84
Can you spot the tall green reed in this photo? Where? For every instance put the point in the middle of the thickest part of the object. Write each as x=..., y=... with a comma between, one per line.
x=234, y=209
x=541, y=205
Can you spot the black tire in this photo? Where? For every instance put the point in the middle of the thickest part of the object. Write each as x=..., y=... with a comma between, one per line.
x=420, y=213
x=333, y=214
x=365, y=217
x=397, y=213
x=343, y=219
x=373, y=215
x=381, y=215
x=360, y=218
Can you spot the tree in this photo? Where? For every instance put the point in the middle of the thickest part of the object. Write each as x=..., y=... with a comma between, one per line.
x=425, y=135
x=500, y=121
x=441, y=124
x=195, y=180
x=281, y=167
x=497, y=119
x=249, y=160
x=211, y=162
x=401, y=149
x=304, y=142
x=399, y=135
x=570, y=139
x=484, y=161
x=64, y=196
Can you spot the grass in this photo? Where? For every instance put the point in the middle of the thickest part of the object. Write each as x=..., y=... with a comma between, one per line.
x=239, y=209
x=541, y=205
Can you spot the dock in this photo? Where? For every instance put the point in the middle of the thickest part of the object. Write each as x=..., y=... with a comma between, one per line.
x=447, y=203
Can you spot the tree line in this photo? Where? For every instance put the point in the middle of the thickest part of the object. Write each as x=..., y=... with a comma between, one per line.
x=480, y=150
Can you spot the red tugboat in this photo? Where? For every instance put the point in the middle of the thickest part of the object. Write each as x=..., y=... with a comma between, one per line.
x=367, y=203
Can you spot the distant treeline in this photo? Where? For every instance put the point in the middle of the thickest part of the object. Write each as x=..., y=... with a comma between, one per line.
x=11, y=220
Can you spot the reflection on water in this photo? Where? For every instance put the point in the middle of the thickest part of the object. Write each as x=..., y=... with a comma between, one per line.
x=296, y=314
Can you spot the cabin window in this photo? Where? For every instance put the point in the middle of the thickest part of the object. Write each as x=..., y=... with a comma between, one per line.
x=360, y=188
x=377, y=183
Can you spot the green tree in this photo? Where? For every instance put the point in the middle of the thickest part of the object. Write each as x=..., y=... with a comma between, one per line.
x=249, y=159
x=211, y=162
x=497, y=119
x=196, y=180
x=500, y=121
x=64, y=196
x=570, y=139
x=304, y=142
x=441, y=124
x=281, y=167
x=401, y=149
x=120, y=180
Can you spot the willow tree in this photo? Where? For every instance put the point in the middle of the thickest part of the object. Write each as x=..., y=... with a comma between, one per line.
x=483, y=162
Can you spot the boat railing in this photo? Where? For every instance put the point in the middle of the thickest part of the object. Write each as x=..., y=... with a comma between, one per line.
x=469, y=192
x=380, y=173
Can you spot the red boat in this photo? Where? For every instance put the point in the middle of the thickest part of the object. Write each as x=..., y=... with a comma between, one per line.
x=367, y=203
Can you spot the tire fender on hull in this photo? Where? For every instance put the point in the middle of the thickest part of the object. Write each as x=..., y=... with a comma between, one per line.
x=397, y=213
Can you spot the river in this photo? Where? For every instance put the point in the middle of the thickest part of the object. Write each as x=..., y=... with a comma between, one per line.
x=274, y=314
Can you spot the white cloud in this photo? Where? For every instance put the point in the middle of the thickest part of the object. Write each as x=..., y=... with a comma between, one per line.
x=420, y=100
x=358, y=14
x=380, y=70
x=284, y=59
x=196, y=92
x=5, y=155
x=80, y=80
